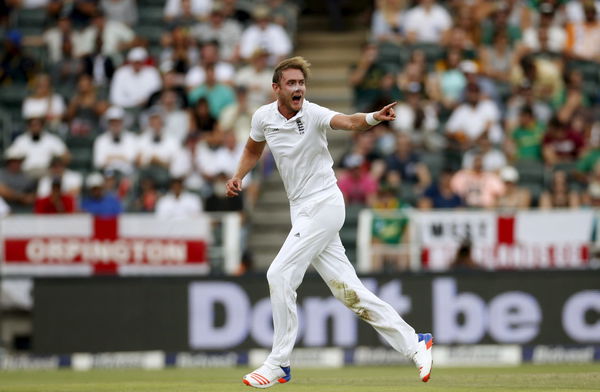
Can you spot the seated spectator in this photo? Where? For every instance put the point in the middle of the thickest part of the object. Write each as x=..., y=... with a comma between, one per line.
x=447, y=85
x=85, y=107
x=57, y=202
x=478, y=188
x=575, y=10
x=55, y=38
x=98, y=202
x=543, y=73
x=124, y=11
x=43, y=102
x=514, y=197
x=415, y=70
x=427, y=22
x=116, y=148
x=474, y=119
x=179, y=51
x=185, y=17
x=207, y=153
x=357, y=185
x=547, y=35
x=38, y=147
x=147, y=197
x=387, y=22
x=364, y=145
x=256, y=77
x=465, y=34
x=418, y=118
x=237, y=117
x=200, y=9
x=133, y=83
x=497, y=59
x=112, y=37
x=591, y=197
x=440, y=194
x=98, y=65
x=178, y=203
x=156, y=150
x=571, y=98
x=16, y=66
x=524, y=97
x=217, y=94
x=266, y=35
x=583, y=37
x=494, y=158
x=177, y=121
x=366, y=76
x=171, y=81
x=227, y=32
x=559, y=195
x=408, y=164
x=16, y=187
x=209, y=57
x=201, y=119
x=70, y=180
x=561, y=144
x=81, y=12
x=525, y=142
x=509, y=18
x=186, y=166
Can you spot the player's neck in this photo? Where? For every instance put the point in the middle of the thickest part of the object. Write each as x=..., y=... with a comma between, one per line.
x=285, y=111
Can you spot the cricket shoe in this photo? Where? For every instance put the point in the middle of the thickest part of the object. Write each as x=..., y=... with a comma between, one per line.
x=265, y=376
x=423, y=358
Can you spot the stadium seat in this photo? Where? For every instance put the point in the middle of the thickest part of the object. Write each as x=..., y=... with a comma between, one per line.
x=531, y=172
x=12, y=96
x=150, y=15
x=81, y=159
x=434, y=161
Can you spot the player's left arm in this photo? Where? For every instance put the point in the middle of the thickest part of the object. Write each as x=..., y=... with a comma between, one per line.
x=363, y=121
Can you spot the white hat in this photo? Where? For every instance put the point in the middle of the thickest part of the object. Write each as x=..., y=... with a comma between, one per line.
x=353, y=161
x=115, y=113
x=137, y=54
x=468, y=66
x=509, y=174
x=94, y=180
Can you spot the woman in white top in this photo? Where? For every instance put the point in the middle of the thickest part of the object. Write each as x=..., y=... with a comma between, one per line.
x=43, y=102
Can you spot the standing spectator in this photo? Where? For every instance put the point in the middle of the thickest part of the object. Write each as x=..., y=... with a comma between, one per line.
x=15, y=65
x=525, y=142
x=16, y=187
x=266, y=35
x=83, y=112
x=256, y=78
x=515, y=197
x=124, y=11
x=116, y=149
x=561, y=144
x=440, y=194
x=133, y=84
x=110, y=36
x=38, y=147
x=43, y=102
x=559, y=195
x=217, y=94
x=209, y=57
x=227, y=32
x=478, y=188
x=357, y=185
x=200, y=9
x=70, y=180
x=583, y=37
x=427, y=22
x=408, y=164
x=98, y=202
x=387, y=22
x=178, y=203
x=57, y=202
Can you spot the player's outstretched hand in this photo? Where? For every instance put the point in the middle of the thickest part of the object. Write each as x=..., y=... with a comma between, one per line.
x=386, y=113
x=234, y=187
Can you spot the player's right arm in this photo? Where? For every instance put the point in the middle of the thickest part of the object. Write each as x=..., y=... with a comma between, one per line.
x=252, y=152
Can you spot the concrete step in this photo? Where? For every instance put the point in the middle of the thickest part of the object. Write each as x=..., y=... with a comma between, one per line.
x=314, y=39
x=268, y=241
x=321, y=23
x=279, y=216
x=320, y=79
x=341, y=55
x=339, y=90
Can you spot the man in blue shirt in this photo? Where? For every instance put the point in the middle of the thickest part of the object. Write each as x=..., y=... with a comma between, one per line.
x=98, y=202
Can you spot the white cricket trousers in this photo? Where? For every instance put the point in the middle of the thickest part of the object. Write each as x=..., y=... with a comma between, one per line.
x=315, y=239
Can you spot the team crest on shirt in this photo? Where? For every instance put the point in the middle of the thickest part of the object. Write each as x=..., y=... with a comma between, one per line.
x=300, y=126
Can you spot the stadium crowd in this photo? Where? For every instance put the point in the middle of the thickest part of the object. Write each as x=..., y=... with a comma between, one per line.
x=146, y=108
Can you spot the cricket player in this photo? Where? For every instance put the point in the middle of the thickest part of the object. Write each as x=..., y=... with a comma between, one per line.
x=295, y=130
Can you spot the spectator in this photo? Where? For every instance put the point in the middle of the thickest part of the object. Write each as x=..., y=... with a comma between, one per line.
x=364, y=145
x=525, y=142
x=591, y=197
x=133, y=84
x=207, y=154
x=504, y=17
x=116, y=149
x=548, y=36
x=493, y=157
x=15, y=65
x=171, y=81
x=285, y=14
x=57, y=202
x=575, y=9
x=256, y=78
x=70, y=180
x=543, y=73
x=98, y=65
x=427, y=22
x=178, y=203
x=514, y=197
x=147, y=197
x=571, y=98
x=179, y=51
x=559, y=195
x=79, y=11
x=156, y=150
x=357, y=185
x=177, y=122
x=227, y=32
x=185, y=17
x=110, y=36
x=201, y=119
x=387, y=22
x=98, y=202
x=465, y=34
x=83, y=112
x=463, y=261
x=561, y=144
x=266, y=35
x=209, y=57
x=440, y=194
x=418, y=119
x=237, y=117
x=524, y=97
x=583, y=37
x=38, y=147
x=200, y=9
x=43, y=102
x=408, y=164
x=217, y=94
x=448, y=84
x=366, y=76
x=415, y=70
x=497, y=59
x=56, y=37
x=16, y=187
x=478, y=188
x=123, y=11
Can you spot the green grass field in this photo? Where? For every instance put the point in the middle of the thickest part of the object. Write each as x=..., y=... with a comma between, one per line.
x=349, y=379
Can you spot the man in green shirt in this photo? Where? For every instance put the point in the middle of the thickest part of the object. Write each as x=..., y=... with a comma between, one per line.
x=527, y=138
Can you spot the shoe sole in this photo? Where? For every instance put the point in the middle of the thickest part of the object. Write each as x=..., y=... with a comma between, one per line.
x=282, y=380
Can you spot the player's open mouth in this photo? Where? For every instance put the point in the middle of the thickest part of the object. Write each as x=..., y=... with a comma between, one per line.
x=296, y=98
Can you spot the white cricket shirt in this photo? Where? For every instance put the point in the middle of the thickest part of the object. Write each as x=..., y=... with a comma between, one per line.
x=299, y=146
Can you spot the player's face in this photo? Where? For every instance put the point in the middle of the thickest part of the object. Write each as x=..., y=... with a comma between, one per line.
x=291, y=89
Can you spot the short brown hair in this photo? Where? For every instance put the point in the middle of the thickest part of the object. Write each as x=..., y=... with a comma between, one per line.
x=297, y=62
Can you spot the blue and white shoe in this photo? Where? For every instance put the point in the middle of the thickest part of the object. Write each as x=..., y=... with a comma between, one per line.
x=266, y=376
x=423, y=358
